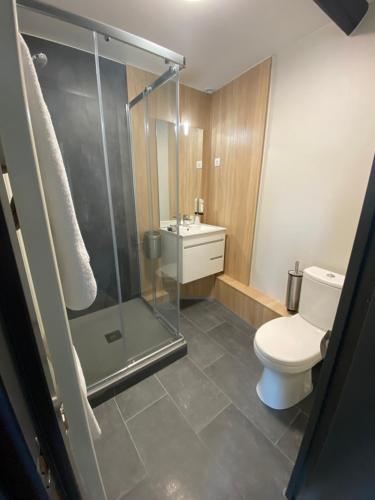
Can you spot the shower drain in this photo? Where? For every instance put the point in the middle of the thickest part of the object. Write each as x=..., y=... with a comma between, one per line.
x=113, y=336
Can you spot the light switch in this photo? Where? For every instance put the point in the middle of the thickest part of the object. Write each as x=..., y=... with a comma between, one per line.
x=217, y=162
x=199, y=164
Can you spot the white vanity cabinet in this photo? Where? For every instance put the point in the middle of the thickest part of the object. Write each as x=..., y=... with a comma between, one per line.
x=201, y=251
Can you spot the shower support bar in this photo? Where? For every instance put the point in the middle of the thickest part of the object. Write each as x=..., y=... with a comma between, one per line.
x=105, y=30
x=170, y=73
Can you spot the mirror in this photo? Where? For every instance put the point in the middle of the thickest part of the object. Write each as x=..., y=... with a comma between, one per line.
x=191, y=166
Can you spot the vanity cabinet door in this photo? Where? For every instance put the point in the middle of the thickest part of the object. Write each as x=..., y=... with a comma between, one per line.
x=202, y=257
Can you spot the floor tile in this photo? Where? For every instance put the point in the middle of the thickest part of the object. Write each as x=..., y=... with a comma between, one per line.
x=238, y=381
x=236, y=343
x=143, y=491
x=306, y=404
x=198, y=399
x=168, y=310
x=193, y=304
x=178, y=464
x=201, y=349
x=201, y=316
x=198, y=479
x=225, y=314
x=120, y=465
x=163, y=437
x=256, y=467
x=136, y=398
x=290, y=442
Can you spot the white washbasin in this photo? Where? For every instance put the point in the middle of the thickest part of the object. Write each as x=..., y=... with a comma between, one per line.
x=194, y=229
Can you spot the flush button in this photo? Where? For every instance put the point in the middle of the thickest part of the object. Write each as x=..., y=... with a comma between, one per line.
x=330, y=275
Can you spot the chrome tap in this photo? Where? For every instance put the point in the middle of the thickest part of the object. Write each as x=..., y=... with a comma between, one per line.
x=185, y=219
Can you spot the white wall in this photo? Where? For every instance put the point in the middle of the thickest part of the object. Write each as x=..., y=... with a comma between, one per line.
x=320, y=144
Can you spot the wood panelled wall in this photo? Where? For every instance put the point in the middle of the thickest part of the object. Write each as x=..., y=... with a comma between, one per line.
x=194, y=108
x=233, y=120
x=238, y=120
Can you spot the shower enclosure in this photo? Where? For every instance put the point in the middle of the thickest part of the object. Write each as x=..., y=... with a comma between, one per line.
x=108, y=146
x=105, y=90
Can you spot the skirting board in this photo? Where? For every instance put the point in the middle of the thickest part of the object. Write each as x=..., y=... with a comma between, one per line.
x=247, y=302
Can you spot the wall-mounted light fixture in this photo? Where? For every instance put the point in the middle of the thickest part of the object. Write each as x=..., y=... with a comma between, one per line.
x=186, y=127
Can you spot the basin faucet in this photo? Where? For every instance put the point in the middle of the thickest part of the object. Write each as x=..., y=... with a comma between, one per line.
x=182, y=218
x=185, y=219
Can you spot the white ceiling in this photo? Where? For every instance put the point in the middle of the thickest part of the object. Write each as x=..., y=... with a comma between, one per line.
x=220, y=38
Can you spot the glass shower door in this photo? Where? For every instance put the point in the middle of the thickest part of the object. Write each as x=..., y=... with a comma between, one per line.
x=159, y=288
x=149, y=299
x=162, y=104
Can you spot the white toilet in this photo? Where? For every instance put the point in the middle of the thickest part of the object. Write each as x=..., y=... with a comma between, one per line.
x=289, y=347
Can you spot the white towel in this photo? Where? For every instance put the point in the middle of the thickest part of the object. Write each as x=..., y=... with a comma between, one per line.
x=93, y=423
x=77, y=279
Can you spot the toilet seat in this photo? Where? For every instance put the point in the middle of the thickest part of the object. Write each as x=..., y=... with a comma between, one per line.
x=288, y=345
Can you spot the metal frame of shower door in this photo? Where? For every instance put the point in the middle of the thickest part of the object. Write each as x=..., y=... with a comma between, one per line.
x=158, y=82
x=105, y=30
x=20, y=155
x=177, y=134
x=150, y=200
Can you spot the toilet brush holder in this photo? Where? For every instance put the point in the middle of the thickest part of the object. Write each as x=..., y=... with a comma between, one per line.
x=293, y=290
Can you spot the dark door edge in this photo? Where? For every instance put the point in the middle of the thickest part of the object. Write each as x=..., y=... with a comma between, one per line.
x=19, y=335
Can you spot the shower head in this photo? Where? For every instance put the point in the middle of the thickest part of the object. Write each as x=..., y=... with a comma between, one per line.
x=40, y=60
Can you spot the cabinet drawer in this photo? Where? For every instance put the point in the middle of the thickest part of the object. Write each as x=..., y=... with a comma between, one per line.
x=202, y=258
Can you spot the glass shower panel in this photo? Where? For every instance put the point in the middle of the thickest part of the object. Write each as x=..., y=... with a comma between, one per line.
x=148, y=328
x=67, y=75
x=162, y=107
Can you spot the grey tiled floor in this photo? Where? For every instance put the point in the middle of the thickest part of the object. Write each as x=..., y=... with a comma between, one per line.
x=197, y=430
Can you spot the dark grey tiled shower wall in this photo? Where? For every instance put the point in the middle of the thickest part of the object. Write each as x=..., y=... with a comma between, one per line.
x=70, y=90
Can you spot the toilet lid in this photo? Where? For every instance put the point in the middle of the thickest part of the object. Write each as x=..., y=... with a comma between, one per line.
x=290, y=341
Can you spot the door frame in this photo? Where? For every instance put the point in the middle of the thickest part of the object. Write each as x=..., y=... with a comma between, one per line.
x=22, y=374
x=21, y=161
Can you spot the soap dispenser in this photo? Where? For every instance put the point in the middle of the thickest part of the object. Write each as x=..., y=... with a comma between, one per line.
x=198, y=209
